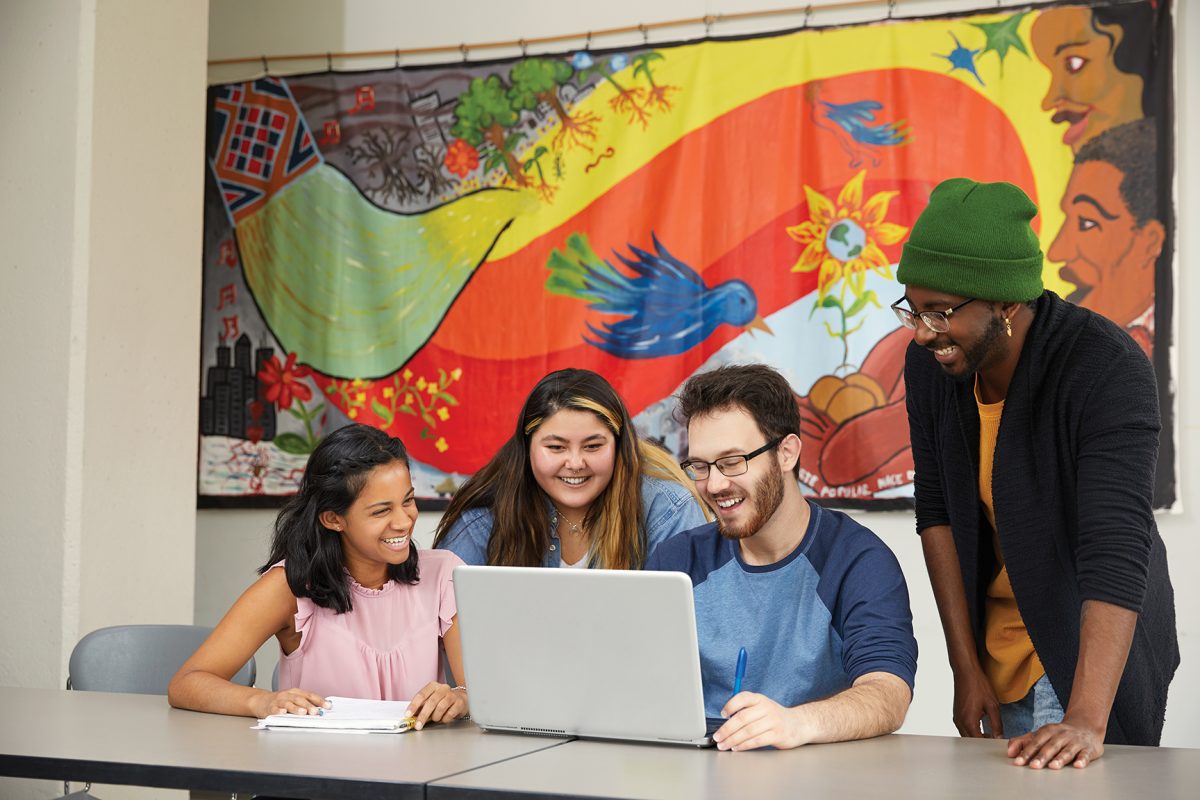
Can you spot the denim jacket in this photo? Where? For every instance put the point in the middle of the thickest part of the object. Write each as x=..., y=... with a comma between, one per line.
x=668, y=508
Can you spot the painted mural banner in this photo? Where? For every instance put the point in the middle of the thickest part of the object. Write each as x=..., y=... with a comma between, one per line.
x=414, y=248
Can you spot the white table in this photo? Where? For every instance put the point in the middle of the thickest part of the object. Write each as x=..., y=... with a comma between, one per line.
x=140, y=740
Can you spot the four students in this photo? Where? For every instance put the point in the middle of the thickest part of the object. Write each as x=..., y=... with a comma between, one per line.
x=1034, y=433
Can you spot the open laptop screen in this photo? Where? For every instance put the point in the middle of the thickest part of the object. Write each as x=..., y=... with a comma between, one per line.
x=594, y=653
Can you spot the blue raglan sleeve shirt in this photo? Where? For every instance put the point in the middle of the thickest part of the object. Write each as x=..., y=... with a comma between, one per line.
x=833, y=610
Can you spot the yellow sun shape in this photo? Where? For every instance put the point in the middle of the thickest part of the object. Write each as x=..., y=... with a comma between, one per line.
x=844, y=238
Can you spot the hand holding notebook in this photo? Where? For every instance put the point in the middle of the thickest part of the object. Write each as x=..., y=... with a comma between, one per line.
x=347, y=715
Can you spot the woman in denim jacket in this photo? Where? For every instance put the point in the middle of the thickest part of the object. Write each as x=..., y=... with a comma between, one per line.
x=573, y=487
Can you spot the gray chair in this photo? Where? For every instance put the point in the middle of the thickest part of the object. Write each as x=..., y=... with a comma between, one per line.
x=139, y=659
x=136, y=659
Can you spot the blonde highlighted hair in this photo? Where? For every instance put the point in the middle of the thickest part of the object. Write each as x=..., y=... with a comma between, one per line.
x=520, y=514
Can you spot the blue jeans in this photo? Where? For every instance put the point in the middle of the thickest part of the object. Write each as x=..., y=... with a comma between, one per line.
x=1039, y=707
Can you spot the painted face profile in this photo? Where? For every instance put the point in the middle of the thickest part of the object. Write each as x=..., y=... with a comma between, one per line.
x=1104, y=251
x=1087, y=90
x=1111, y=239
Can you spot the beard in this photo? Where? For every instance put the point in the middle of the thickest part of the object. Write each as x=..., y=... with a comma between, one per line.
x=764, y=498
x=978, y=353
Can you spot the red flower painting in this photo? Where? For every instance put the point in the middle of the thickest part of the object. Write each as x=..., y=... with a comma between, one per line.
x=284, y=381
x=461, y=158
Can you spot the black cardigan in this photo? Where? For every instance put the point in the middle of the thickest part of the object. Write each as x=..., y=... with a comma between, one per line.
x=1072, y=486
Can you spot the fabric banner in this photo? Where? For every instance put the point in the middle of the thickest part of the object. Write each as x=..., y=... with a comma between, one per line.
x=414, y=248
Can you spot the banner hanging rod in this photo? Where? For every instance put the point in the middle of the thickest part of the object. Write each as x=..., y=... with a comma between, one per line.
x=707, y=21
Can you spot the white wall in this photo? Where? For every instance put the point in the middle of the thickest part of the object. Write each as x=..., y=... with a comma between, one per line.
x=44, y=276
x=230, y=544
x=99, y=315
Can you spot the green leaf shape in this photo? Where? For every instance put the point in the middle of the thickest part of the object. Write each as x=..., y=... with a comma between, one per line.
x=868, y=296
x=642, y=63
x=828, y=301
x=382, y=411
x=386, y=279
x=293, y=443
x=533, y=159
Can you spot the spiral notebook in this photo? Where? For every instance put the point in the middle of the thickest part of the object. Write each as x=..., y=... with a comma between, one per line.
x=347, y=715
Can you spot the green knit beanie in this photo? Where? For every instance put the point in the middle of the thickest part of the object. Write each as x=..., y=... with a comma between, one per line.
x=974, y=240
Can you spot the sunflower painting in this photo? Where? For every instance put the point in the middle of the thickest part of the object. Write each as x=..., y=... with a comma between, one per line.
x=843, y=240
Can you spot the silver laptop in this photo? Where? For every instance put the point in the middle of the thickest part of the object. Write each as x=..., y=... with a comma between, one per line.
x=593, y=653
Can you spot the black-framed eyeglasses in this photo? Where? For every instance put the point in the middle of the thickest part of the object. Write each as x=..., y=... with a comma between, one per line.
x=729, y=466
x=936, y=321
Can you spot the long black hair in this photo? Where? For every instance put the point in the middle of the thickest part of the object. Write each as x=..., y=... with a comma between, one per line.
x=336, y=473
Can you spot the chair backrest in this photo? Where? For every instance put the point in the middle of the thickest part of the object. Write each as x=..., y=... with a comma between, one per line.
x=140, y=659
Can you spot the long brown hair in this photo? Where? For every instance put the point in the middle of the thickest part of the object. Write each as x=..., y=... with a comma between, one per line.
x=520, y=517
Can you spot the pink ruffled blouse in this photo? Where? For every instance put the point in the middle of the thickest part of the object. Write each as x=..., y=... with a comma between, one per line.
x=386, y=647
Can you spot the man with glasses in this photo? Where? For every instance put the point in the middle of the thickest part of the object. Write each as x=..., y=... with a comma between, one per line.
x=1034, y=427
x=817, y=601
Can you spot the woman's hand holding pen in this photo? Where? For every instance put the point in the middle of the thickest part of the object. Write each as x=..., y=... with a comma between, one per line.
x=438, y=702
x=288, y=701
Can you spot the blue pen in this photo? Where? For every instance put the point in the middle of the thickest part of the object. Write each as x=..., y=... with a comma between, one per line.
x=740, y=672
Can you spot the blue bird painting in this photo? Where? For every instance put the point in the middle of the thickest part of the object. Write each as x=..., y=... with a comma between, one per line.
x=855, y=130
x=853, y=118
x=668, y=309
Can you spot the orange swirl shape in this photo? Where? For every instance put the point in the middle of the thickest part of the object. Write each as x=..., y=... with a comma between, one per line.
x=720, y=199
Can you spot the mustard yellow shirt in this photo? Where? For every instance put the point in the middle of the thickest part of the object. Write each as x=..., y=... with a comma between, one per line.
x=1009, y=661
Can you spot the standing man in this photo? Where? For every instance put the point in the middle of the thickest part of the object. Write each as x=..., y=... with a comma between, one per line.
x=1034, y=429
x=817, y=601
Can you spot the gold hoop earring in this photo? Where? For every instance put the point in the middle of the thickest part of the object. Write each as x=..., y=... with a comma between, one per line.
x=1008, y=326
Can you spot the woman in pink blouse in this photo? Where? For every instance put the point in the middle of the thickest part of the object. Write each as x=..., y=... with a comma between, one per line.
x=343, y=595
